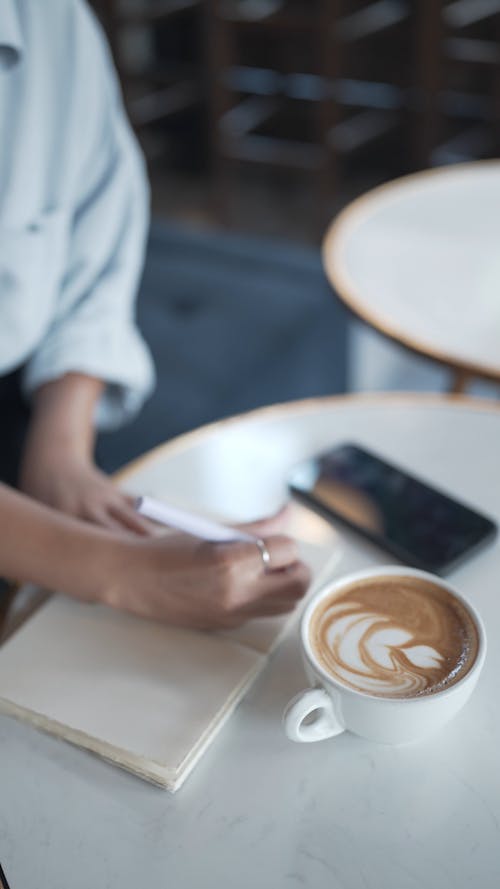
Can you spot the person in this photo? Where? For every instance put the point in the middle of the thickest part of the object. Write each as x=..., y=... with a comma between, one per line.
x=73, y=223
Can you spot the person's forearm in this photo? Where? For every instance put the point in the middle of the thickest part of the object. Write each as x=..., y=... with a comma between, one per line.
x=57, y=466
x=177, y=579
x=40, y=545
x=63, y=416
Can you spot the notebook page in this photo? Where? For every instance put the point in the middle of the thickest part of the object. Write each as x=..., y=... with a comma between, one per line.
x=145, y=689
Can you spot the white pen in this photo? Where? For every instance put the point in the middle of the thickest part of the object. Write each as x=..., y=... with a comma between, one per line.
x=189, y=522
x=197, y=525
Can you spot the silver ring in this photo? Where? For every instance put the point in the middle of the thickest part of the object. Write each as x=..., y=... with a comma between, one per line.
x=264, y=553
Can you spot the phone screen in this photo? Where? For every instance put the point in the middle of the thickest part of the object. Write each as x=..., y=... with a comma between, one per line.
x=417, y=523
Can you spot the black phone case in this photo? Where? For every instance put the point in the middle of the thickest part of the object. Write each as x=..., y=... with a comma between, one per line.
x=388, y=545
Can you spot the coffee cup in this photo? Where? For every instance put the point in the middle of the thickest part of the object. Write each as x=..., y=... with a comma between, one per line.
x=392, y=654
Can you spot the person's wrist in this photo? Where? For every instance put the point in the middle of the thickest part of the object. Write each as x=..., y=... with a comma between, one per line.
x=42, y=464
x=119, y=565
x=63, y=413
x=52, y=439
x=56, y=449
x=56, y=454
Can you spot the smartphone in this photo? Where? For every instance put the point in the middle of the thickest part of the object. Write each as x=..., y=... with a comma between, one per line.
x=417, y=523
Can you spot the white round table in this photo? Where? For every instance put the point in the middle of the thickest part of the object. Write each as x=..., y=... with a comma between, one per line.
x=258, y=810
x=418, y=259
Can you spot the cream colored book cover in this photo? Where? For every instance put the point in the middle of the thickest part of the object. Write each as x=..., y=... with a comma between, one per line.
x=145, y=696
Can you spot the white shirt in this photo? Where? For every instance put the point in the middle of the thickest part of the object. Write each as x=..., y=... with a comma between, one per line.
x=73, y=207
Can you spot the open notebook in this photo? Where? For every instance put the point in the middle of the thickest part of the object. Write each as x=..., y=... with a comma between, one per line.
x=149, y=698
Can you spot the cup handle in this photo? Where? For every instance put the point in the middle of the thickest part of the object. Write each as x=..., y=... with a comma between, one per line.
x=326, y=724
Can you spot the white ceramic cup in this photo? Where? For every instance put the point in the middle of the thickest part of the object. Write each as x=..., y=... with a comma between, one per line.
x=329, y=708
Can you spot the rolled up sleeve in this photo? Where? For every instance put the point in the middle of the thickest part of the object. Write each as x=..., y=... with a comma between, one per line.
x=93, y=328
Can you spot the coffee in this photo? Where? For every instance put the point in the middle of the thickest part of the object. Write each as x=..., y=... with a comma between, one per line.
x=394, y=637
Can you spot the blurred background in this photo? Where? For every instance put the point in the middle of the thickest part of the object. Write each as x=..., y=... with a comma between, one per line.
x=260, y=120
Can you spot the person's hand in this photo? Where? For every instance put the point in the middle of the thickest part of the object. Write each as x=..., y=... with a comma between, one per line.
x=57, y=466
x=191, y=583
x=75, y=486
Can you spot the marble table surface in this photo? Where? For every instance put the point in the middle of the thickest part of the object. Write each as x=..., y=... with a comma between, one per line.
x=259, y=810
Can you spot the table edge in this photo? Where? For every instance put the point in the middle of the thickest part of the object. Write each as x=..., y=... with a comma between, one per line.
x=342, y=283
x=179, y=442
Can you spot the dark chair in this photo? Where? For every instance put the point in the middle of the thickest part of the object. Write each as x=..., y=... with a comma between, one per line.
x=233, y=323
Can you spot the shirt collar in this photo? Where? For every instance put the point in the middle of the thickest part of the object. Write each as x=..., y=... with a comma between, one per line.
x=11, y=42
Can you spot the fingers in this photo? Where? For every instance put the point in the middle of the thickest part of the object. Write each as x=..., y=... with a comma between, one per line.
x=273, y=524
x=117, y=514
x=250, y=591
x=283, y=551
x=281, y=594
x=286, y=586
x=206, y=585
x=128, y=518
x=98, y=515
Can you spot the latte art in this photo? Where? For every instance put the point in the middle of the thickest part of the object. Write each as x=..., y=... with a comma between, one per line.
x=394, y=637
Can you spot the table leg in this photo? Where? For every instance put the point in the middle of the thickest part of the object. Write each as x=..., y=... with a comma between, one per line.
x=459, y=382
